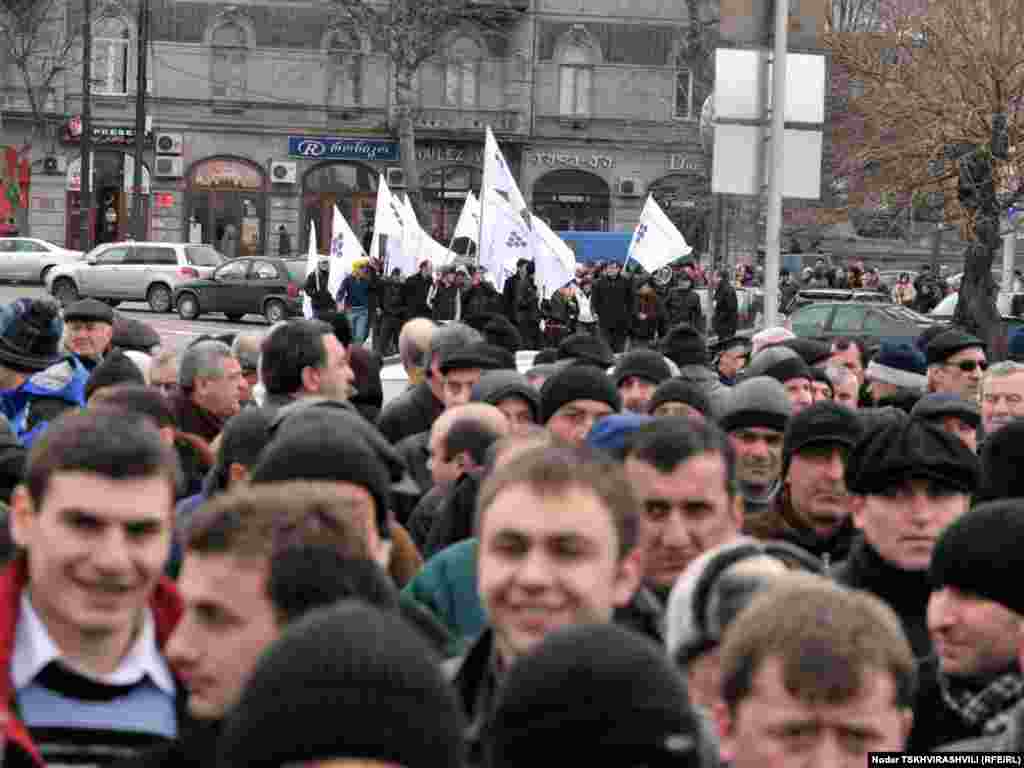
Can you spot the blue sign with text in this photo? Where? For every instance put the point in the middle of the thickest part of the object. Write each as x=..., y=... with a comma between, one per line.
x=342, y=148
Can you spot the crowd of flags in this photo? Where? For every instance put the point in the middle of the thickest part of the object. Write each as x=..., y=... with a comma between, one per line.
x=500, y=225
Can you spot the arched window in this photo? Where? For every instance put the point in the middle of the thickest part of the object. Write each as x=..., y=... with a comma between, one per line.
x=111, y=47
x=461, y=73
x=345, y=68
x=230, y=53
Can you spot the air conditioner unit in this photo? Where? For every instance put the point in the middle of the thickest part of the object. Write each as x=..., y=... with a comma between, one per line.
x=284, y=172
x=169, y=143
x=630, y=187
x=395, y=177
x=170, y=167
x=55, y=164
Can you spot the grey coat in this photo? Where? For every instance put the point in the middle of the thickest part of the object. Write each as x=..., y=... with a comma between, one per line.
x=1009, y=740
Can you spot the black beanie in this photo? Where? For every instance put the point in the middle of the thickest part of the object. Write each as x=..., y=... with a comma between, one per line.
x=680, y=391
x=1002, y=456
x=322, y=453
x=349, y=681
x=587, y=348
x=685, y=345
x=577, y=382
x=908, y=449
x=978, y=553
x=821, y=423
x=642, y=363
x=116, y=368
x=610, y=693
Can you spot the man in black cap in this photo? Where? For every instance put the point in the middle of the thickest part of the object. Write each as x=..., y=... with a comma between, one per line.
x=510, y=393
x=584, y=348
x=789, y=369
x=88, y=330
x=687, y=348
x=974, y=617
x=908, y=481
x=952, y=413
x=637, y=375
x=732, y=357
x=813, y=510
x=612, y=302
x=574, y=399
x=956, y=363
x=463, y=367
x=36, y=385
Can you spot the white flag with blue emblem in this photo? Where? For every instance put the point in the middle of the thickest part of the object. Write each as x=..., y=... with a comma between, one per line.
x=388, y=219
x=345, y=250
x=505, y=238
x=656, y=241
x=311, y=263
x=555, y=260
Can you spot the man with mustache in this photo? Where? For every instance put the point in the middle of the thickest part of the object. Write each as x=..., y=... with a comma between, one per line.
x=908, y=481
x=1002, y=395
x=813, y=509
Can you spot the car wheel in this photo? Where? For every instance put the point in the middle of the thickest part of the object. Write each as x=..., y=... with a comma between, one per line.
x=65, y=292
x=44, y=273
x=159, y=298
x=188, y=307
x=234, y=317
x=274, y=311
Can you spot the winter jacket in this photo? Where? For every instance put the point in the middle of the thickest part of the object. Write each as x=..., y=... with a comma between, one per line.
x=474, y=677
x=456, y=515
x=778, y=524
x=423, y=517
x=167, y=610
x=725, y=319
x=612, y=302
x=412, y=412
x=684, y=307
x=446, y=302
x=354, y=293
x=480, y=300
x=392, y=301
x=447, y=587
x=906, y=592
x=1010, y=740
x=414, y=295
x=319, y=293
x=44, y=396
x=193, y=419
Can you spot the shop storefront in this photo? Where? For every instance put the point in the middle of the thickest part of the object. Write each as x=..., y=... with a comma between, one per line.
x=573, y=200
x=113, y=175
x=225, y=205
x=350, y=186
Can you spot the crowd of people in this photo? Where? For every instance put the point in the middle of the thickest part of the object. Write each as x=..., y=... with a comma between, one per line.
x=773, y=551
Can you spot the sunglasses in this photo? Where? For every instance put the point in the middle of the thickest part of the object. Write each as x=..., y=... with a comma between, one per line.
x=968, y=366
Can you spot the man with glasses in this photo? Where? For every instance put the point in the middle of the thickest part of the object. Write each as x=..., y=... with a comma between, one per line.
x=956, y=363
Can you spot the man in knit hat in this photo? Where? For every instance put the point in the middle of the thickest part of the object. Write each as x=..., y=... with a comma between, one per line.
x=732, y=357
x=637, y=375
x=975, y=616
x=687, y=348
x=897, y=375
x=510, y=393
x=789, y=369
x=36, y=382
x=530, y=511
x=755, y=418
x=676, y=397
x=677, y=466
x=1002, y=395
x=951, y=413
x=573, y=399
x=908, y=481
x=956, y=363
x=813, y=509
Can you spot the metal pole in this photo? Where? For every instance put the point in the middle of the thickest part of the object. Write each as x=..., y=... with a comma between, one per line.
x=138, y=200
x=85, y=145
x=772, y=255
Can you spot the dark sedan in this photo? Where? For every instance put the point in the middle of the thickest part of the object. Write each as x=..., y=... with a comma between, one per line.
x=256, y=285
x=874, y=322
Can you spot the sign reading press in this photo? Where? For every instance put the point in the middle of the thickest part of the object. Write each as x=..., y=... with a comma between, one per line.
x=342, y=148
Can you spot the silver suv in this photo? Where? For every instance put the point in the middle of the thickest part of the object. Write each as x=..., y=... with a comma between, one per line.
x=133, y=271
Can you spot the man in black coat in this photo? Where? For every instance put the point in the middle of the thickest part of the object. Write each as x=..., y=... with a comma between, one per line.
x=417, y=289
x=612, y=302
x=392, y=313
x=684, y=304
x=725, y=320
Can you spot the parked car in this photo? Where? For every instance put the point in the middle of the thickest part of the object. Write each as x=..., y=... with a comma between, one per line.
x=133, y=271
x=945, y=309
x=871, y=320
x=28, y=259
x=256, y=285
x=954, y=281
x=819, y=295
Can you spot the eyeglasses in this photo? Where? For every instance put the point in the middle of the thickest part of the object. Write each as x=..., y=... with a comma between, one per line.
x=968, y=366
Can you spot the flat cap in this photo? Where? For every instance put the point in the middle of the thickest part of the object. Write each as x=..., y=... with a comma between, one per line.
x=947, y=344
x=940, y=404
x=487, y=357
x=89, y=310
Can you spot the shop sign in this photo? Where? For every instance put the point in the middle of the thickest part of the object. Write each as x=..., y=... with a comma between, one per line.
x=594, y=161
x=685, y=163
x=339, y=148
x=103, y=135
x=450, y=153
x=230, y=174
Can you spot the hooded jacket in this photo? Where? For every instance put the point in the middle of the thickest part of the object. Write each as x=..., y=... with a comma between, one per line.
x=166, y=607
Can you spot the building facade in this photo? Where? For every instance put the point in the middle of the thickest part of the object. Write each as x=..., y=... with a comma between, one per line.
x=263, y=117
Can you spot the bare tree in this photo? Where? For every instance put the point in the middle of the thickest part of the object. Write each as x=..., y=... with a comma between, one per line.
x=933, y=76
x=413, y=31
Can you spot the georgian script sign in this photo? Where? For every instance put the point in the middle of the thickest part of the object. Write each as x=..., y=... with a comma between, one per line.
x=342, y=148
x=572, y=159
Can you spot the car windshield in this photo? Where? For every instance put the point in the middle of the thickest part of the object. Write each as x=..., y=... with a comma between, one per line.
x=203, y=256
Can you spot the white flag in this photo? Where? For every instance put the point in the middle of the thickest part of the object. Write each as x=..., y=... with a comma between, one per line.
x=345, y=249
x=505, y=237
x=656, y=241
x=388, y=219
x=555, y=260
x=497, y=174
x=468, y=224
x=312, y=257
